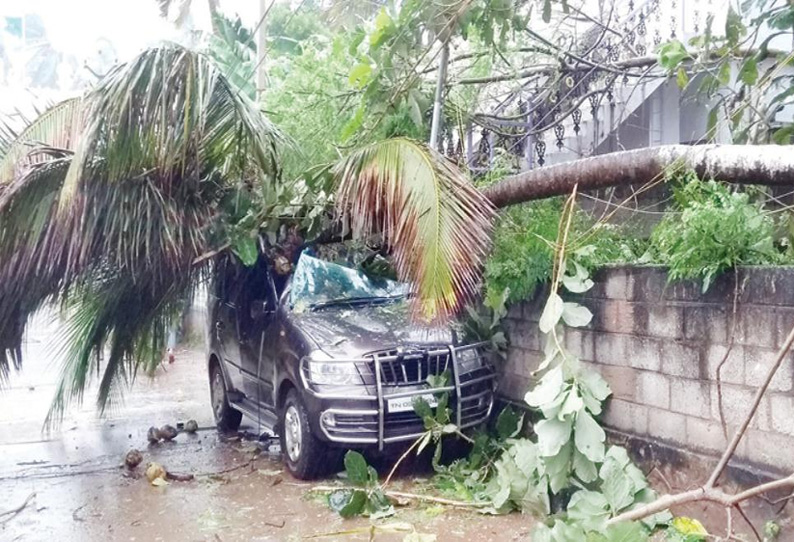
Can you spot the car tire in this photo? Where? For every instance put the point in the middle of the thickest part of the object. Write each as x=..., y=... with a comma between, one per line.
x=304, y=454
x=226, y=417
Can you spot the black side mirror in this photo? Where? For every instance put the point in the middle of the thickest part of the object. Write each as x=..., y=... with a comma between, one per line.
x=261, y=308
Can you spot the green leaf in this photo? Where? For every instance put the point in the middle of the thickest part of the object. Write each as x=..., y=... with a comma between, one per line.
x=553, y=435
x=594, y=384
x=689, y=526
x=356, y=468
x=711, y=123
x=360, y=75
x=552, y=313
x=245, y=248
x=724, y=75
x=783, y=136
x=508, y=423
x=542, y=533
x=573, y=403
x=567, y=532
x=422, y=408
x=734, y=28
x=576, y=315
x=355, y=506
x=580, y=282
x=616, y=486
x=347, y=502
x=415, y=112
x=626, y=532
x=585, y=469
x=589, y=508
x=383, y=27
x=557, y=468
x=355, y=40
x=671, y=54
x=589, y=437
x=547, y=389
x=748, y=74
x=372, y=476
x=379, y=505
x=525, y=455
x=546, y=11
x=682, y=78
x=352, y=125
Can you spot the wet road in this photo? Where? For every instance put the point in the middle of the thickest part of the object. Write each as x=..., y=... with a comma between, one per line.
x=76, y=490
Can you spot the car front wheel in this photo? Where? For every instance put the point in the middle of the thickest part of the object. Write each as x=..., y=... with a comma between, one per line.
x=226, y=418
x=304, y=454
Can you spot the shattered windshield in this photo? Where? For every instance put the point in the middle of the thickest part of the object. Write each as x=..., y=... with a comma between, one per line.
x=317, y=282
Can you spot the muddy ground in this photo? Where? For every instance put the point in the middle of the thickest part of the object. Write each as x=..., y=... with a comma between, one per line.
x=75, y=488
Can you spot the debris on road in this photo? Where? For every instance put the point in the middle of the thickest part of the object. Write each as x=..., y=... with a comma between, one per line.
x=179, y=477
x=168, y=432
x=191, y=426
x=155, y=471
x=133, y=458
x=153, y=435
x=14, y=511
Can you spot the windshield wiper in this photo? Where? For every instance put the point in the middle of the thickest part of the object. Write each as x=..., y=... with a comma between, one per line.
x=357, y=301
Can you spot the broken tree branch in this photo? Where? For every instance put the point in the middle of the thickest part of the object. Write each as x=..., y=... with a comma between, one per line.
x=759, y=394
x=769, y=165
x=410, y=496
x=14, y=511
x=708, y=492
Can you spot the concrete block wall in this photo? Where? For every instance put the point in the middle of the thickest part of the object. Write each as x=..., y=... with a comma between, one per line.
x=659, y=347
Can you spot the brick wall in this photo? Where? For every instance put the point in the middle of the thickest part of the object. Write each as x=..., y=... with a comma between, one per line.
x=658, y=345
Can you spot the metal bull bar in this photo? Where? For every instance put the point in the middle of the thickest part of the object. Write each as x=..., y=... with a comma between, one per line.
x=381, y=397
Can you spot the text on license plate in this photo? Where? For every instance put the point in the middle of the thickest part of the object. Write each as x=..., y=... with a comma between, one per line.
x=406, y=404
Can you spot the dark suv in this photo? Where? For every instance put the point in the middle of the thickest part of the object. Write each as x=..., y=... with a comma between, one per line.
x=329, y=358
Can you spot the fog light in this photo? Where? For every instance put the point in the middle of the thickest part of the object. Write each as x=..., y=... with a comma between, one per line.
x=329, y=420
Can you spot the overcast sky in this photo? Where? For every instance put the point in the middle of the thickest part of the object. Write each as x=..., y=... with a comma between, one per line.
x=74, y=26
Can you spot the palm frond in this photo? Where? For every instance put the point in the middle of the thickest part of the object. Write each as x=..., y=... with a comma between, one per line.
x=172, y=111
x=436, y=223
x=58, y=127
x=111, y=229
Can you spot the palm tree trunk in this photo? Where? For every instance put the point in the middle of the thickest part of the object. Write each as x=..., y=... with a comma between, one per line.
x=770, y=165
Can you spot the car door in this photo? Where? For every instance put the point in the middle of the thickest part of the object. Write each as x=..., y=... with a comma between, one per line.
x=224, y=327
x=255, y=318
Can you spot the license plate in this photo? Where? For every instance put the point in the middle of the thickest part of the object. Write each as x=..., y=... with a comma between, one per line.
x=406, y=404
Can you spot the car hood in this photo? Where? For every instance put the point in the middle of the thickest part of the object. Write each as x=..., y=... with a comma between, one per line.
x=346, y=331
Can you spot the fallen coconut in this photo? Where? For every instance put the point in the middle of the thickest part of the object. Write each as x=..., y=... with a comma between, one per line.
x=133, y=458
x=155, y=471
x=168, y=432
x=153, y=435
x=191, y=426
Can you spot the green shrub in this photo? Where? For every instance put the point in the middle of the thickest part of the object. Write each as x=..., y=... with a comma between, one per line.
x=712, y=229
x=523, y=248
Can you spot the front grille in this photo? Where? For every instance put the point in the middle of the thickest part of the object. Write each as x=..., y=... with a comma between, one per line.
x=474, y=409
x=409, y=368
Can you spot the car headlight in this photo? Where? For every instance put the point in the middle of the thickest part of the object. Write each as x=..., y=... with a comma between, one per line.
x=469, y=360
x=324, y=372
